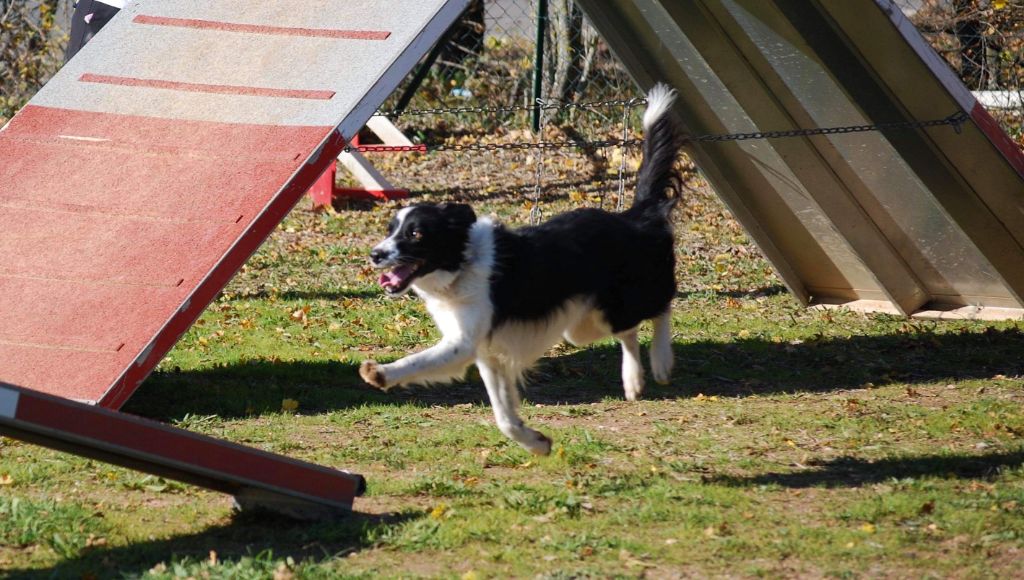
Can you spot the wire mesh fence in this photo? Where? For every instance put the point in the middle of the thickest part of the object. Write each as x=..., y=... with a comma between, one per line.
x=983, y=40
x=494, y=61
x=33, y=34
x=508, y=54
x=491, y=59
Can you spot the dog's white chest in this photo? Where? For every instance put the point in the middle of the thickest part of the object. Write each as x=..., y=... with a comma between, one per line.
x=450, y=319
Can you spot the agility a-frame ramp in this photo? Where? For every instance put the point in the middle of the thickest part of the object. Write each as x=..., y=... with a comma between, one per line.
x=922, y=222
x=137, y=181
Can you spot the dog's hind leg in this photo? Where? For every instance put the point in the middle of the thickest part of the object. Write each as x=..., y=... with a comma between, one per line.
x=662, y=358
x=503, y=391
x=632, y=368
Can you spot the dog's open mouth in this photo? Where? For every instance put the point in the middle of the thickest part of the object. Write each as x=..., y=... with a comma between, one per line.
x=398, y=278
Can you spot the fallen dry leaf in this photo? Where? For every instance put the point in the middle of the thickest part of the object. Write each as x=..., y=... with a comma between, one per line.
x=439, y=511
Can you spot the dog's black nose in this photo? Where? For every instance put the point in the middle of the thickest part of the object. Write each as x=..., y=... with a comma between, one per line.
x=377, y=256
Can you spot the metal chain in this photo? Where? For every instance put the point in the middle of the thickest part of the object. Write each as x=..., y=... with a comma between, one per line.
x=590, y=105
x=389, y=148
x=539, y=185
x=620, y=203
x=955, y=120
x=494, y=146
x=536, y=145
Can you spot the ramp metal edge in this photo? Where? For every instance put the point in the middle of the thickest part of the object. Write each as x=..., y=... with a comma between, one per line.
x=256, y=478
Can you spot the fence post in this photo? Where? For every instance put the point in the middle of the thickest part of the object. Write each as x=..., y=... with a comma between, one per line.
x=538, y=62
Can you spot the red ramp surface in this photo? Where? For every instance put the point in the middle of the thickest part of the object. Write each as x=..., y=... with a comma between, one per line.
x=137, y=182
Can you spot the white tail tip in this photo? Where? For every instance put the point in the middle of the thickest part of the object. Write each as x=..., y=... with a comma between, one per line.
x=659, y=100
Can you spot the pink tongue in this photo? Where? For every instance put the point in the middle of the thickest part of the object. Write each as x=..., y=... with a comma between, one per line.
x=396, y=277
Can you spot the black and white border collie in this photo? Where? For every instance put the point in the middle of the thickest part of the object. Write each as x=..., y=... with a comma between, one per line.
x=501, y=298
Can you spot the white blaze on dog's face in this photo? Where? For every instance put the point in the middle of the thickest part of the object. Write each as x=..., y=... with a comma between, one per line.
x=422, y=239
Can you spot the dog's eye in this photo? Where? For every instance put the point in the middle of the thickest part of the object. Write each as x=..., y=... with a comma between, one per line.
x=416, y=235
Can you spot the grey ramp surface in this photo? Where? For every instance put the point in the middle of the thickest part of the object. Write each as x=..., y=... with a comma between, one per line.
x=924, y=222
x=211, y=56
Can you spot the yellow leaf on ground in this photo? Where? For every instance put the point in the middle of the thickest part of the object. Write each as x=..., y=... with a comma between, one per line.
x=439, y=511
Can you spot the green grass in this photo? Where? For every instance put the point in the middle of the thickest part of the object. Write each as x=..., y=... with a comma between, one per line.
x=791, y=442
x=62, y=528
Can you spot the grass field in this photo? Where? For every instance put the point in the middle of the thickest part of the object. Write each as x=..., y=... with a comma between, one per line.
x=791, y=442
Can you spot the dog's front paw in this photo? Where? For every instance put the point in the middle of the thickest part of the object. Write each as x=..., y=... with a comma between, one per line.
x=373, y=373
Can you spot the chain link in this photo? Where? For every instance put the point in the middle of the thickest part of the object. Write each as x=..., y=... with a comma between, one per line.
x=544, y=106
x=537, y=145
x=538, y=190
x=955, y=120
x=522, y=146
x=621, y=201
x=389, y=149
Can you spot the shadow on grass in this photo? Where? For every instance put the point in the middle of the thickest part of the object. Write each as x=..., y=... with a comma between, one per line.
x=731, y=369
x=261, y=537
x=855, y=471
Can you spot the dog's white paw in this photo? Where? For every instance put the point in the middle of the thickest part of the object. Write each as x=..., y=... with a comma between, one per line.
x=662, y=373
x=633, y=384
x=661, y=364
x=373, y=373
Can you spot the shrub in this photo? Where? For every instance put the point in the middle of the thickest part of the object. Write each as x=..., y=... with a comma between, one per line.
x=31, y=50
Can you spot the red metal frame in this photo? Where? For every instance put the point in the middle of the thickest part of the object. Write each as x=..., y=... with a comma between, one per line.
x=325, y=190
x=1010, y=150
x=256, y=478
x=322, y=192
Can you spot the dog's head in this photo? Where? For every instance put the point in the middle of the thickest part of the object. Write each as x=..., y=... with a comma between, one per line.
x=422, y=239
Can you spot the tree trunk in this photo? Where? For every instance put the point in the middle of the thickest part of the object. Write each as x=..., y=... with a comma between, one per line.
x=564, y=53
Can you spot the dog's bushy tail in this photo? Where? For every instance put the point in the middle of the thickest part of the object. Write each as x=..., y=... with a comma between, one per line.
x=662, y=139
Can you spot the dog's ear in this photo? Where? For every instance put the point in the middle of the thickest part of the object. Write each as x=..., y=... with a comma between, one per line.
x=458, y=214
